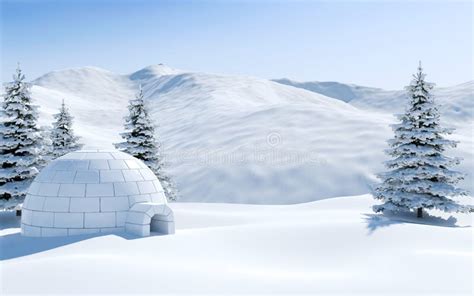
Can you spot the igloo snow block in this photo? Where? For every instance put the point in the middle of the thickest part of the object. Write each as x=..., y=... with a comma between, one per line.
x=96, y=191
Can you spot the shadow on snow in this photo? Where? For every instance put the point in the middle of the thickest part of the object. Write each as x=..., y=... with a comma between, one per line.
x=376, y=221
x=15, y=245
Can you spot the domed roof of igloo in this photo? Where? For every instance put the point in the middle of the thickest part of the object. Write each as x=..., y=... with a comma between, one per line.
x=88, y=191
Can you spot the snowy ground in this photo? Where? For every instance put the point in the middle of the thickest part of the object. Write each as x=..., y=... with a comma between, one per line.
x=330, y=246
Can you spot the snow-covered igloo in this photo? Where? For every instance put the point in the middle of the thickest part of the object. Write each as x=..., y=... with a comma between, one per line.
x=95, y=191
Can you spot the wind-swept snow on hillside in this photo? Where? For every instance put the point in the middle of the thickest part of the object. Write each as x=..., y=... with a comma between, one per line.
x=97, y=99
x=336, y=246
x=233, y=138
x=457, y=102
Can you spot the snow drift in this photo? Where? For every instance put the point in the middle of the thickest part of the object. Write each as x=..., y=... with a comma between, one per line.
x=328, y=247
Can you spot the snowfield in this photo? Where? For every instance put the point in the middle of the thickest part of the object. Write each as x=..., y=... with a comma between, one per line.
x=331, y=246
x=242, y=139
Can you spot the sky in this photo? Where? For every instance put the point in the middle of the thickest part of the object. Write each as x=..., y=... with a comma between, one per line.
x=372, y=43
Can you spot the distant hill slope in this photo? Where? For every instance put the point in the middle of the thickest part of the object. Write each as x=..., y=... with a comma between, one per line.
x=457, y=102
x=235, y=139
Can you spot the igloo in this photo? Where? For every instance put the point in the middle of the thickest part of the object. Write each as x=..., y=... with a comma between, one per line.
x=95, y=191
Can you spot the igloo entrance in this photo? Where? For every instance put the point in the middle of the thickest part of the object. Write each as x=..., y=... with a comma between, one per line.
x=162, y=224
x=147, y=217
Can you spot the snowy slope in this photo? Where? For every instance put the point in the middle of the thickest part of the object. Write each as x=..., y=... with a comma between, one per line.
x=97, y=99
x=334, y=246
x=233, y=138
x=457, y=102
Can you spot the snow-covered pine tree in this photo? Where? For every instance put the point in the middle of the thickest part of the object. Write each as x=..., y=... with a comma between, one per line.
x=419, y=175
x=20, y=142
x=140, y=141
x=62, y=135
x=46, y=146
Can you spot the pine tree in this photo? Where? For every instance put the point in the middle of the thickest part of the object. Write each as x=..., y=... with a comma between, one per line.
x=419, y=175
x=140, y=142
x=46, y=146
x=62, y=135
x=20, y=142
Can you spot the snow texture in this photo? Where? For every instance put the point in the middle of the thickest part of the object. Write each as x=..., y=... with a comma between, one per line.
x=456, y=102
x=330, y=247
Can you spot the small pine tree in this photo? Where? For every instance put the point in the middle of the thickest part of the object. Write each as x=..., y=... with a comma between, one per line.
x=46, y=146
x=141, y=143
x=63, y=139
x=20, y=142
x=419, y=177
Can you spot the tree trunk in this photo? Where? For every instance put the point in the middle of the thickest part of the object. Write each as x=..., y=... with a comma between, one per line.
x=419, y=213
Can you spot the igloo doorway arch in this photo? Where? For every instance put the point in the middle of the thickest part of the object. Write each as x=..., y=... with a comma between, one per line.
x=143, y=218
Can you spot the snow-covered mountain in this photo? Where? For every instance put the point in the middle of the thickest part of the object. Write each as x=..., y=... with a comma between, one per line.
x=457, y=102
x=235, y=138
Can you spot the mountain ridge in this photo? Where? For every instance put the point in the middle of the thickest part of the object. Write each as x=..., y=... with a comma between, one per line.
x=456, y=101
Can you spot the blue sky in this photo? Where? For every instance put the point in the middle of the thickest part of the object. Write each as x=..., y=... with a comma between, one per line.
x=368, y=43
